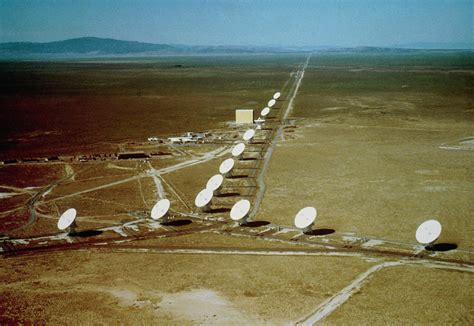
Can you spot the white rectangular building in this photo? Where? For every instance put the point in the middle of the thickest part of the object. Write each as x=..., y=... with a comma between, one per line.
x=243, y=116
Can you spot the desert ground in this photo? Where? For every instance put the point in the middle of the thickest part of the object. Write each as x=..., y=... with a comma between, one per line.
x=377, y=143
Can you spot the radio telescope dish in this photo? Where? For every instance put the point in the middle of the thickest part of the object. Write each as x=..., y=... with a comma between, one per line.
x=265, y=112
x=203, y=198
x=304, y=219
x=271, y=103
x=248, y=135
x=160, y=209
x=276, y=96
x=428, y=232
x=214, y=182
x=240, y=210
x=66, y=220
x=226, y=166
x=238, y=150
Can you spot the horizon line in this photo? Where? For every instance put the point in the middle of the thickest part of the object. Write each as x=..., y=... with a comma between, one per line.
x=415, y=45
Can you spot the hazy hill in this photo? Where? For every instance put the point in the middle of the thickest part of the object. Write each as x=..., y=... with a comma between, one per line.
x=83, y=45
x=437, y=45
x=94, y=46
x=105, y=47
x=369, y=49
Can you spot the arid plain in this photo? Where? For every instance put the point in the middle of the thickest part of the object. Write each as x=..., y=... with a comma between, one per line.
x=377, y=142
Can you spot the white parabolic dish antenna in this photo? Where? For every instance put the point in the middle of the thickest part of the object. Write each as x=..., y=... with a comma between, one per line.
x=265, y=112
x=428, y=232
x=203, y=197
x=214, y=182
x=67, y=219
x=305, y=217
x=249, y=134
x=226, y=166
x=276, y=96
x=238, y=149
x=160, y=209
x=240, y=210
x=271, y=103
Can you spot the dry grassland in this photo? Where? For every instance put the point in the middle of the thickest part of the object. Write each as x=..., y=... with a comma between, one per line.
x=185, y=289
x=408, y=295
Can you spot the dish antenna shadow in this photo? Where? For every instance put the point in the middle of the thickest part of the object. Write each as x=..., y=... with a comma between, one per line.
x=256, y=224
x=320, y=232
x=442, y=247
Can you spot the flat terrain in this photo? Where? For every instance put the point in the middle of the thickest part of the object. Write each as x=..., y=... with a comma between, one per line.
x=413, y=295
x=74, y=107
x=216, y=289
x=372, y=151
x=378, y=143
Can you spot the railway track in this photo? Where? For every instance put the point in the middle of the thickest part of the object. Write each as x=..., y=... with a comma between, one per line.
x=144, y=230
x=100, y=237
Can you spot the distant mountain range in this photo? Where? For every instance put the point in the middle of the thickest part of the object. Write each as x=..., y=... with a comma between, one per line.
x=436, y=45
x=94, y=46
x=105, y=47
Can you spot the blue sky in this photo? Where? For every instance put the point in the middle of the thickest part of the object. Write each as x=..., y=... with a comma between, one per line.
x=241, y=22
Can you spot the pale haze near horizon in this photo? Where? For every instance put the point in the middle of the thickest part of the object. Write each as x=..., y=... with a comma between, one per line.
x=259, y=22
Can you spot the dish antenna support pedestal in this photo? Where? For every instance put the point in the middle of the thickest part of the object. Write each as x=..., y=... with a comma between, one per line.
x=259, y=122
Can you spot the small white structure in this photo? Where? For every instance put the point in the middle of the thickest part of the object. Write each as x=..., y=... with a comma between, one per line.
x=243, y=116
x=260, y=121
x=181, y=140
x=189, y=137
